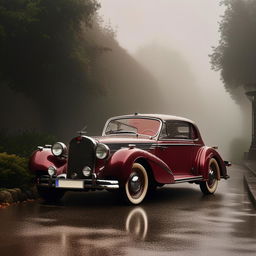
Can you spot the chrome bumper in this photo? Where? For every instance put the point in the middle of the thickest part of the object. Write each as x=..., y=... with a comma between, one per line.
x=47, y=181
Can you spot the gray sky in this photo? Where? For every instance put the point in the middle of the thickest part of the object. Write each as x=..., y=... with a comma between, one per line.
x=189, y=27
x=170, y=22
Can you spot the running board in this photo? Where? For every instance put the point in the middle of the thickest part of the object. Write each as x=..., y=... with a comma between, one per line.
x=189, y=179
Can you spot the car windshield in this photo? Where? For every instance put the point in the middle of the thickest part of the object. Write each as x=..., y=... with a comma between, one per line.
x=138, y=126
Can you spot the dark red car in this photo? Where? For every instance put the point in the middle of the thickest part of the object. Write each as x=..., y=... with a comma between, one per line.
x=135, y=154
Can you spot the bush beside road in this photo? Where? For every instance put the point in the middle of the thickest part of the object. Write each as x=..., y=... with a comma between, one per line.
x=15, y=195
x=15, y=180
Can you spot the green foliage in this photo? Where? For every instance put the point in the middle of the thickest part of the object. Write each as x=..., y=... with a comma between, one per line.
x=24, y=143
x=40, y=41
x=235, y=56
x=59, y=53
x=14, y=172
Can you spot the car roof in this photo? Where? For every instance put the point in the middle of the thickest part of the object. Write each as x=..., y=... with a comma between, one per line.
x=157, y=116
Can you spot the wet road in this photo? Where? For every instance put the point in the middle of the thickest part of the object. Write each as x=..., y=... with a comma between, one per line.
x=177, y=220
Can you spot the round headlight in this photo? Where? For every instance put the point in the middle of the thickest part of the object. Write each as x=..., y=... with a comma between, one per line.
x=51, y=170
x=102, y=151
x=59, y=149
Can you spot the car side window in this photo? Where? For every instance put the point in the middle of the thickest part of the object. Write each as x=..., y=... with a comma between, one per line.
x=178, y=130
x=194, y=134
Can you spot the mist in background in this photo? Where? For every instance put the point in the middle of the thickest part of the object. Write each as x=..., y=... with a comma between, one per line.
x=147, y=56
x=173, y=40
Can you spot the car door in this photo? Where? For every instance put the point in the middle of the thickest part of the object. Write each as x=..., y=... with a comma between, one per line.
x=177, y=146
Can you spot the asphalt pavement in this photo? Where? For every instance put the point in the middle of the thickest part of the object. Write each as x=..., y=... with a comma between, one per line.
x=177, y=220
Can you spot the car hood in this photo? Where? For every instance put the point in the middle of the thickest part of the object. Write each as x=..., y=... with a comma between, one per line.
x=116, y=142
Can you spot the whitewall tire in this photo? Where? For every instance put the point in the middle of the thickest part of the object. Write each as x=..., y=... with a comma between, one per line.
x=136, y=186
x=209, y=187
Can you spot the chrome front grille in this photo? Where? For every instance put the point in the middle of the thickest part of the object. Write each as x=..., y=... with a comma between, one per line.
x=81, y=154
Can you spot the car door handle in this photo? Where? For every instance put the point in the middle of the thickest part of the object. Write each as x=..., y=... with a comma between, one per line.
x=163, y=147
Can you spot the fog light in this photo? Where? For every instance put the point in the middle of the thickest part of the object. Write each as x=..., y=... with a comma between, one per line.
x=87, y=171
x=51, y=170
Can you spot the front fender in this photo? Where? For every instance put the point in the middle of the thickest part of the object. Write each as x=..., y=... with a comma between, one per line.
x=42, y=159
x=120, y=164
x=202, y=162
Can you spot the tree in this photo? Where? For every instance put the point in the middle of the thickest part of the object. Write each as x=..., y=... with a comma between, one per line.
x=40, y=39
x=43, y=50
x=235, y=56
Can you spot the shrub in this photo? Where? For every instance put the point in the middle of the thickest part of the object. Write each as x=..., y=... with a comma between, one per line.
x=14, y=171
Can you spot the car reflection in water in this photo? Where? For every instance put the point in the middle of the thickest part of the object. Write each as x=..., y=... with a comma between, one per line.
x=137, y=223
x=74, y=230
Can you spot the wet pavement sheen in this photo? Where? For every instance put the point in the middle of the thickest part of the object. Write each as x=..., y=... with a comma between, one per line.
x=177, y=220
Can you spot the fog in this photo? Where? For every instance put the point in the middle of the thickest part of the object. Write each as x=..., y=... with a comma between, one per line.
x=172, y=40
x=157, y=62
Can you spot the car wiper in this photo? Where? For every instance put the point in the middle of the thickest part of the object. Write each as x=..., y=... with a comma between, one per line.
x=130, y=132
x=120, y=132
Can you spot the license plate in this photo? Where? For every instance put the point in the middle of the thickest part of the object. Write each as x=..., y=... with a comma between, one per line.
x=61, y=183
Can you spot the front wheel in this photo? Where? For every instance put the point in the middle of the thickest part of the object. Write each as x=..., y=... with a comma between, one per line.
x=136, y=186
x=209, y=187
x=50, y=194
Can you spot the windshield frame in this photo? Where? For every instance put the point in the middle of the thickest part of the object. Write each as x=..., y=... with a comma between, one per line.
x=134, y=117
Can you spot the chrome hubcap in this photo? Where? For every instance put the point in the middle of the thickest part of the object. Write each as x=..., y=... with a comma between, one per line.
x=135, y=184
x=212, y=177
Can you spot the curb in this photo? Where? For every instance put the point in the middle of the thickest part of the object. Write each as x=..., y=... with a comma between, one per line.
x=250, y=184
x=250, y=191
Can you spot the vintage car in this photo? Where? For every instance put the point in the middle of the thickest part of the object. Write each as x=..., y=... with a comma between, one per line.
x=135, y=155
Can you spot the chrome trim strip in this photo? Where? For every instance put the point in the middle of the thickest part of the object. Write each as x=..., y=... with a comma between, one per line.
x=196, y=178
x=112, y=182
x=86, y=186
x=177, y=139
x=109, y=184
x=95, y=143
x=63, y=175
x=131, y=134
x=91, y=139
x=174, y=144
x=93, y=184
x=102, y=186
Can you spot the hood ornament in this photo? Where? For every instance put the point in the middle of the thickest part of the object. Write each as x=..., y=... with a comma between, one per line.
x=82, y=131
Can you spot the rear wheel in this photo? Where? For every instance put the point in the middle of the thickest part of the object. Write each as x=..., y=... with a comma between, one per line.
x=136, y=186
x=50, y=194
x=210, y=186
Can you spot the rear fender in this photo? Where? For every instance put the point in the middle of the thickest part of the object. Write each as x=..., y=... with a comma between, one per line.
x=42, y=159
x=202, y=162
x=120, y=165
